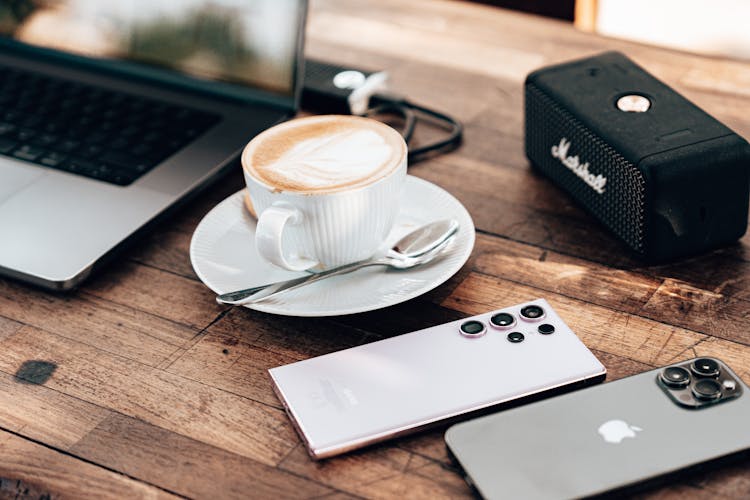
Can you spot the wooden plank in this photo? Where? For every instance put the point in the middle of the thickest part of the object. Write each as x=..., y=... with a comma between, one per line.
x=401, y=318
x=731, y=481
x=166, y=249
x=392, y=39
x=186, y=466
x=45, y=415
x=338, y=496
x=641, y=339
x=678, y=492
x=222, y=361
x=292, y=337
x=30, y=470
x=376, y=472
x=8, y=327
x=162, y=294
x=115, y=328
x=731, y=78
x=163, y=399
x=422, y=479
x=715, y=301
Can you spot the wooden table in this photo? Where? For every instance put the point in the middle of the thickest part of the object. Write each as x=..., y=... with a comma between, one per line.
x=140, y=385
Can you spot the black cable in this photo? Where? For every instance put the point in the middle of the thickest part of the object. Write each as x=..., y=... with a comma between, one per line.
x=412, y=113
x=410, y=119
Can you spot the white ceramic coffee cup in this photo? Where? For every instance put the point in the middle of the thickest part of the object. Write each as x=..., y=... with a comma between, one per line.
x=333, y=221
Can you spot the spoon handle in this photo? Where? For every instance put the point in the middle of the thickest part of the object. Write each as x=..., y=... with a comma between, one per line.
x=258, y=293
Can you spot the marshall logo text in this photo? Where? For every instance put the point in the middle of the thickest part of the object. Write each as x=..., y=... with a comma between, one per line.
x=560, y=151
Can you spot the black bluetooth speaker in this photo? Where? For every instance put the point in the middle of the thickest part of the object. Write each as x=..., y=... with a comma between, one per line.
x=659, y=172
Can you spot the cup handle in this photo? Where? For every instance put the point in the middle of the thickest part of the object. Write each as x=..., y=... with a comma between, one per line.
x=269, y=232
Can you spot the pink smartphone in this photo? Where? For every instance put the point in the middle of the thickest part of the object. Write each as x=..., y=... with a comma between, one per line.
x=352, y=398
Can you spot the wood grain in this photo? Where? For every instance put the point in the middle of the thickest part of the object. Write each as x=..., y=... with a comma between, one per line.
x=378, y=472
x=186, y=466
x=29, y=470
x=224, y=362
x=153, y=389
x=155, y=396
x=118, y=329
x=46, y=415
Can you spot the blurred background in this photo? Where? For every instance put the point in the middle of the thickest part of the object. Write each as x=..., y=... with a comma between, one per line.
x=718, y=28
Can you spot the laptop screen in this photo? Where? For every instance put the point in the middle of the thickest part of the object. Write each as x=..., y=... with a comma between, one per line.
x=247, y=42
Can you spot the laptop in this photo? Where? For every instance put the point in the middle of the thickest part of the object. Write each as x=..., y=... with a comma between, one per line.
x=113, y=112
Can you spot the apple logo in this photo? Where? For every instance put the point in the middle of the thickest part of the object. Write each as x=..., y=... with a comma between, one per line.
x=614, y=431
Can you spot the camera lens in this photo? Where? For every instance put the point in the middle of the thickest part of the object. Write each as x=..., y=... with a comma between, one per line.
x=707, y=389
x=546, y=329
x=705, y=367
x=472, y=328
x=503, y=320
x=532, y=312
x=676, y=377
x=516, y=337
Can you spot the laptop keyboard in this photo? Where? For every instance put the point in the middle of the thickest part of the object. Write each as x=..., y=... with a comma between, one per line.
x=91, y=131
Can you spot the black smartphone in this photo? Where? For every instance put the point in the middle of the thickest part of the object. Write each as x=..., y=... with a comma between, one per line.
x=613, y=438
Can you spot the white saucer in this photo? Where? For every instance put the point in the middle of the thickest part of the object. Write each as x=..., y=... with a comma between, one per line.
x=223, y=255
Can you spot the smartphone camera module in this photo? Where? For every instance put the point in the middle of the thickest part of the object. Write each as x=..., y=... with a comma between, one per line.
x=676, y=377
x=699, y=383
x=503, y=320
x=707, y=389
x=546, y=329
x=516, y=337
x=532, y=313
x=472, y=328
x=705, y=367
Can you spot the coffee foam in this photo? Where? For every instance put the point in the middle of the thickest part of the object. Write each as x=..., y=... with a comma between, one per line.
x=324, y=154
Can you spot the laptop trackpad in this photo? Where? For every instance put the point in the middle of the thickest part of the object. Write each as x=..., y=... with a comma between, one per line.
x=15, y=176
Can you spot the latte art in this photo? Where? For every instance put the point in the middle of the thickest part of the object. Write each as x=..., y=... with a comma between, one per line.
x=342, y=158
x=324, y=154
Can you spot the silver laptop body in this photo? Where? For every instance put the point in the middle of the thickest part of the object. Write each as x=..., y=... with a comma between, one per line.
x=57, y=226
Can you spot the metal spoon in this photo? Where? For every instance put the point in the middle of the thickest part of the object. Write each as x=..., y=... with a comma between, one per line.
x=416, y=248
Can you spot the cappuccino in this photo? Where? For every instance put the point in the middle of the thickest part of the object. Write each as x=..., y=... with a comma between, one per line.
x=326, y=189
x=324, y=154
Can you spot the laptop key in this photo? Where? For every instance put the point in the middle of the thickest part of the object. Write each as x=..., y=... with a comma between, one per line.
x=96, y=137
x=31, y=121
x=28, y=153
x=142, y=150
x=6, y=128
x=80, y=166
x=118, y=143
x=122, y=179
x=121, y=159
x=68, y=146
x=53, y=127
x=25, y=134
x=7, y=145
x=90, y=151
x=45, y=140
x=52, y=159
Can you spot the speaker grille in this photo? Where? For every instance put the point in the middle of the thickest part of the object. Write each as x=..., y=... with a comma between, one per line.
x=621, y=207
